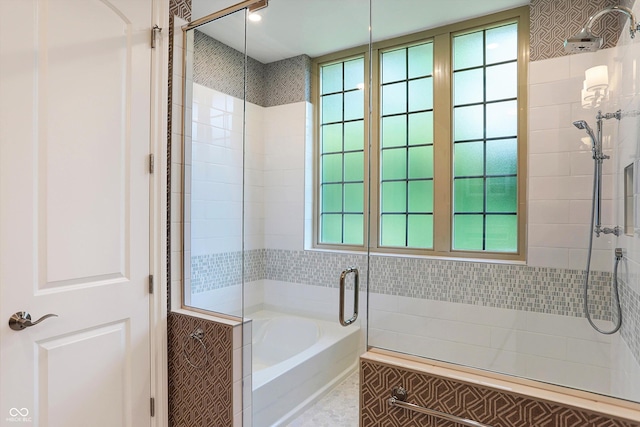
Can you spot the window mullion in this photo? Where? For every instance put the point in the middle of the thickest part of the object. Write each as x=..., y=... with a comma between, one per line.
x=375, y=153
x=442, y=146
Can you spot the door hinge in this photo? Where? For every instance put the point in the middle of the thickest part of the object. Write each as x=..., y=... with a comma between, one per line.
x=154, y=33
x=152, y=163
x=151, y=283
x=152, y=407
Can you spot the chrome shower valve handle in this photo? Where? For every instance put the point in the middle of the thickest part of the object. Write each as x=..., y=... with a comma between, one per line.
x=22, y=319
x=616, y=231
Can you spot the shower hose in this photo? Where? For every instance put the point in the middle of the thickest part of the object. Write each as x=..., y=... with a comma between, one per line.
x=616, y=296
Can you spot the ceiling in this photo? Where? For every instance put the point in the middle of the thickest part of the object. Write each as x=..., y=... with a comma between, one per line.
x=317, y=27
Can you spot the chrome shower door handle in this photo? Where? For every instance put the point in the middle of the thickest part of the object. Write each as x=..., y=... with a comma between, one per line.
x=21, y=320
x=356, y=289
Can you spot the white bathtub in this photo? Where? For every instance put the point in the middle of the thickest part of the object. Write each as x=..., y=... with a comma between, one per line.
x=294, y=361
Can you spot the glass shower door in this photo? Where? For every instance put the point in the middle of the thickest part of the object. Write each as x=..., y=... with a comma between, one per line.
x=304, y=201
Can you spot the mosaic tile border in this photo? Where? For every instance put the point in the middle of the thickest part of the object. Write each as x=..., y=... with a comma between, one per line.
x=215, y=271
x=516, y=287
x=630, y=329
x=477, y=402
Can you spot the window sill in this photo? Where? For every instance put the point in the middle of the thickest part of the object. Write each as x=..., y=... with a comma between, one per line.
x=418, y=256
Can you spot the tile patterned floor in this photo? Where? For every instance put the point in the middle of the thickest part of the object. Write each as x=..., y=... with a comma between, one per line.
x=339, y=408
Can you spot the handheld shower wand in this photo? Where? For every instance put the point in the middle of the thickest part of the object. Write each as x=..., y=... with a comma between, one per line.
x=596, y=226
x=595, y=146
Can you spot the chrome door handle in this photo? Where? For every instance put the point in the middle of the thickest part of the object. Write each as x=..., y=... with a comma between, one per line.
x=356, y=289
x=20, y=320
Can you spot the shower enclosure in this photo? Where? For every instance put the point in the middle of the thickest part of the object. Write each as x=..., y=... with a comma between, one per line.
x=329, y=150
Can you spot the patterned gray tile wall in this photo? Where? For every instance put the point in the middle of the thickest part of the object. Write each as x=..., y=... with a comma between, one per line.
x=219, y=67
x=552, y=21
x=288, y=81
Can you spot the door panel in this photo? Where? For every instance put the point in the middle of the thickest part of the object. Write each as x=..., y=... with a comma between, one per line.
x=74, y=211
x=95, y=61
x=99, y=356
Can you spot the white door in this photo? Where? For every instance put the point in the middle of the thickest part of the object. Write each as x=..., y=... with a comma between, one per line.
x=74, y=211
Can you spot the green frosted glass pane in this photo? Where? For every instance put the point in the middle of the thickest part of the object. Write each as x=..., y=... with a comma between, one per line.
x=467, y=50
x=502, y=43
x=354, y=74
x=468, y=195
x=420, y=231
x=394, y=98
x=332, y=78
x=468, y=87
x=394, y=163
x=394, y=131
x=421, y=162
x=354, y=166
x=394, y=66
x=502, y=194
x=331, y=167
x=331, y=228
x=467, y=232
x=332, y=108
x=421, y=196
x=421, y=94
x=468, y=123
x=421, y=128
x=502, y=233
x=421, y=60
x=354, y=135
x=502, y=81
x=393, y=230
x=354, y=105
x=468, y=158
x=502, y=157
x=502, y=119
x=353, y=229
x=353, y=197
x=394, y=197
x=332, y=138
x=332, y=198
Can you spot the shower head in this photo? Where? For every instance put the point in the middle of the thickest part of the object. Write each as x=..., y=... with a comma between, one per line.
x=584, y=41
x=581, y=124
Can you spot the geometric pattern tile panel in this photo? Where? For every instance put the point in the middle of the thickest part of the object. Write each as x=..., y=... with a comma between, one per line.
x=200, y=396
x=552, y=21
x=482, y=404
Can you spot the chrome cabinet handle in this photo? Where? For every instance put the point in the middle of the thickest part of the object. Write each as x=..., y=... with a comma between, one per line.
x=21, y=320
x=356, y=289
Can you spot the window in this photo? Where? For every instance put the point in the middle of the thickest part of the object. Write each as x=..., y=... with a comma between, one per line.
x=342, y=136
x=448, y=140
x=485, y=140
x=406, y=147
